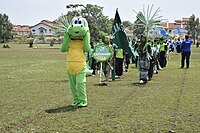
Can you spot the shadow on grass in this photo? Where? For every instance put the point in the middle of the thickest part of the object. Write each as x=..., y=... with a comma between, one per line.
x=62, y=109
x=139, y=84
x=58, y=81
x=101, y=84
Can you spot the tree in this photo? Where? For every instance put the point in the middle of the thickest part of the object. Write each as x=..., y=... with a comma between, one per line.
x=148, y=20
x=128, y=24
x=62, y=24
x=5, y=28
x=98, y=22
x=138, y=27
x=193, y=27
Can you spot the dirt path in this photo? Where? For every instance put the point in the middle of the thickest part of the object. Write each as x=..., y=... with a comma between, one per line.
x=176, y=111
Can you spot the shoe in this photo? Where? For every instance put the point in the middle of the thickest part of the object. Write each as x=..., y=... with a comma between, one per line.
x=156, y=72
x=141, y=81
x=98, y=71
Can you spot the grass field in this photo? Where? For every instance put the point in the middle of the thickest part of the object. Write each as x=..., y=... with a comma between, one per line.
x=35, y=97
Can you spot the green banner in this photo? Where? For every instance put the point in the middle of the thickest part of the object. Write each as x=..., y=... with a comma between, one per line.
x=119, y=36
x=102, y=53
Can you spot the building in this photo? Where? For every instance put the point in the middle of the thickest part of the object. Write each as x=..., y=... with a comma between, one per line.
x=179, y=23
x=45, y=28
x=182, y=23
x=23, y=30
x=177, y=27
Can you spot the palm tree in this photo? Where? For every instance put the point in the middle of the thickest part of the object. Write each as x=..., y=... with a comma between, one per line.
x=62, y=24
x=147, y=20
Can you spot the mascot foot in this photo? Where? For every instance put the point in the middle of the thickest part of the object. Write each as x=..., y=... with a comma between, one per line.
x=75, y=103
x=82, y=104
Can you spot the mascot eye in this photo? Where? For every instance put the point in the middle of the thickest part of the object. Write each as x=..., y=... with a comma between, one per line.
x=74, y=21
x=82, y=21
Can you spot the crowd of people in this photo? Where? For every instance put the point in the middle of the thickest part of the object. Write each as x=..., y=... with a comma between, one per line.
x=151, y=56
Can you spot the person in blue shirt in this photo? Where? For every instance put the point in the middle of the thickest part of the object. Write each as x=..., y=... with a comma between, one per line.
x=186, y=51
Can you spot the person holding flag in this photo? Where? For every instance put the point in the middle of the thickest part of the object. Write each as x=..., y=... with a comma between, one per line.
x=119, y=39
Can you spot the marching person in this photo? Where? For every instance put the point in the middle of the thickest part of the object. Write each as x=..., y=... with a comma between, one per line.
x=119, y=62
x=144, y=50
x=186, y=51
x=163, y=49
x=106, y=65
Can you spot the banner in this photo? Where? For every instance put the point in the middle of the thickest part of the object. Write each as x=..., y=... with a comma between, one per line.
x=119, y=36
x=102, y=53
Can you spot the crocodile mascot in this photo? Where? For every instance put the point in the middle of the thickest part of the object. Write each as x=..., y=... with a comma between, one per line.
x=76, y=43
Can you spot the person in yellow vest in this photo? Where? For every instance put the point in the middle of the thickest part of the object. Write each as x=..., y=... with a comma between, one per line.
x=119, y=62
x=163, y=49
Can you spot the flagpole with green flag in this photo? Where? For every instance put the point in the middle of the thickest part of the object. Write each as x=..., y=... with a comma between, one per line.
x=119, y=38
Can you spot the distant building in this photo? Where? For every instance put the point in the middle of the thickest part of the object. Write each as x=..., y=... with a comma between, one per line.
x=177, y=24
x=45, y=27
x=177, y=27
x=23, y=30
x=182, y=23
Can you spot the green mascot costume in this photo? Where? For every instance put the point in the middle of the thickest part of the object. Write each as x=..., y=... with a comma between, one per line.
x=76, y=43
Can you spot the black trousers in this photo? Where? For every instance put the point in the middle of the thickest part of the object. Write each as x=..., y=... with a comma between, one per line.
x=93, y=66
x=185, y=55
x=151, y=68
x=119, y=66
x=178, y=48
x=162, y=59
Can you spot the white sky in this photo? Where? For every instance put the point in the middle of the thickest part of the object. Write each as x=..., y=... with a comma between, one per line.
x=31, y=12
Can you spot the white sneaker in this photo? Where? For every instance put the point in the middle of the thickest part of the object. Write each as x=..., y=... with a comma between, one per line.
x=141, y=81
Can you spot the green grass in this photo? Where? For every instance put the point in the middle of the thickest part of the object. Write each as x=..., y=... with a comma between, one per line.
x=35, y=96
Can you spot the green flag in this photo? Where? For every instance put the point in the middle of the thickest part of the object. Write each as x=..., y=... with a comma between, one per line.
x=119, y=36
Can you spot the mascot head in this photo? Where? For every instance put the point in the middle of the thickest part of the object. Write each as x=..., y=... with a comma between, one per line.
x=78, y=28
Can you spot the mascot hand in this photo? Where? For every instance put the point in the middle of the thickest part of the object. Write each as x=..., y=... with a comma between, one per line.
x=87, y=42
x=66, y=40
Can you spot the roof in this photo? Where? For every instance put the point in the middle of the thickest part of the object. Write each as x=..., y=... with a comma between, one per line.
x=46, y=22
x=186, y=19
x=177, y=20
x=21, y=28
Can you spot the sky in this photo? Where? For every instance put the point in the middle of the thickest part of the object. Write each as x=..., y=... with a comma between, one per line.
x=31, y=12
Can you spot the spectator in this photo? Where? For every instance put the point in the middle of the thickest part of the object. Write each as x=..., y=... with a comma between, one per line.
x=186, y=51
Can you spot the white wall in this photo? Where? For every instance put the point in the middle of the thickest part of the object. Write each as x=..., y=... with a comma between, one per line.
x=47, y=30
